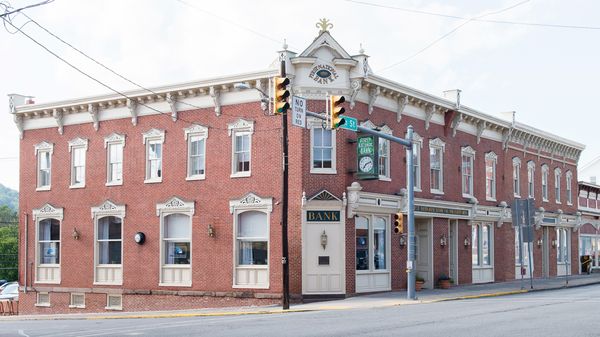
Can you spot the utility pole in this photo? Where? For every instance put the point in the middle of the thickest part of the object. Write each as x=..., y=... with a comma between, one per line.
x=411, y=247
x=284, y=202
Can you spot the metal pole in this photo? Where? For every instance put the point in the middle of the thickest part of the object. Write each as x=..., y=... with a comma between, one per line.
x=26, y=249
x=530, y=241
x=520, y=231
x=410, y=263
x=284, y=205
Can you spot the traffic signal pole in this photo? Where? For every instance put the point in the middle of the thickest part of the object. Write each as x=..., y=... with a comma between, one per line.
x=410, y=176
x=284, y=205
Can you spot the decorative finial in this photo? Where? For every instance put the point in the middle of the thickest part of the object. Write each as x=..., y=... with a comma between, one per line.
x=285, y=45
x=324, y=25
x=361, y=50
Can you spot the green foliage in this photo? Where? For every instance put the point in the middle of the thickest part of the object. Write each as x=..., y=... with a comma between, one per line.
x=9, y=244
x=9, y=197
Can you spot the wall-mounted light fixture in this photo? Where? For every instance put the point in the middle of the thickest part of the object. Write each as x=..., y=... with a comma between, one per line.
x=539, y=242
x=211, y=231
x=76, y=235
x=467, y=241
x=443, y=240
x=139, y=238
x=324, y=239
x=402, y=241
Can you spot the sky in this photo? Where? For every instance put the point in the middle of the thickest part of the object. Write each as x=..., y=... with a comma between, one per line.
x=548, y=75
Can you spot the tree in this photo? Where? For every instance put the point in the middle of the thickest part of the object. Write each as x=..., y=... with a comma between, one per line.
x=9, y=244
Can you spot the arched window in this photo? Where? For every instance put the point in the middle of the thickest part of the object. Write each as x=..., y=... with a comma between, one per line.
x=177, y=239
x=49, y=241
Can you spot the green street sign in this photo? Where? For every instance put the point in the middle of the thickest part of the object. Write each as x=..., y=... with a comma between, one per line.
x=367, y=155
x=350, y=124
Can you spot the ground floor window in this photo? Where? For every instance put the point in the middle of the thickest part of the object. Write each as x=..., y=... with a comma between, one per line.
x=481, y=236
x=562, y=245
x=177, y=239
x=252, y=238
x=371, y=243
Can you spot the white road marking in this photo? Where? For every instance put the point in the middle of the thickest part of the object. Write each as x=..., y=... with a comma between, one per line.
x=22, y=333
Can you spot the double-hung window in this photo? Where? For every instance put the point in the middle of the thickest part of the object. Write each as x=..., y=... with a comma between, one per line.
x=436, y=164
x=569, y=189
x=468, y=155
x=154, y=139
x=490, y=176
x=114, y=144
x=545, y=171
x=196, y=136
x=48, y=221
x=517, y=177
x=384, y=154
x=78, y=149
x=43, y=152
x=530, y=179
x=481, y=244
x=108, y=257
x=557, y=174
x=241, y=137
x=322, y=149
x=417, y=146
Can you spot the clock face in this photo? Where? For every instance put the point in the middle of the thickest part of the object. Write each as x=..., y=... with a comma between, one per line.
x=365, y=164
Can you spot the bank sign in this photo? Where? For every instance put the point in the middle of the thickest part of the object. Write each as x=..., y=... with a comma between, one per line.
x=367, y=156
x=322, y=216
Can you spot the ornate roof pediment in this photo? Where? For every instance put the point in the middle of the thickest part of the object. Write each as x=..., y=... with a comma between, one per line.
x=325, y=40
x=251, y=201
x=324, y=195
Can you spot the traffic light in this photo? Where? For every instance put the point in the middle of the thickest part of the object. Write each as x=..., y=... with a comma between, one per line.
x=335, y=110
x=398, y=223
x=280, y=95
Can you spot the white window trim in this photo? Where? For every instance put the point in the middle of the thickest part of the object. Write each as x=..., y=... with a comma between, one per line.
x=47, y=212
x=251, y=202
x=313, y=124
x=108, y=208
x=494, y=158
x=531, y=168
x=491, y=247
x=195, y=130
x=418, y=144
x=557, y=181
x=73, y=306
x=114, y=138
x=388, y=170
x=545, y=173
x=175, y=205
x=108, y=307
x=240, y=127
x=43, y=147
x=516, y=162
x=154, y=136
x=437, y=143
x=78, y=143
x=469, y=152
x=42, y=304
x=569, y=189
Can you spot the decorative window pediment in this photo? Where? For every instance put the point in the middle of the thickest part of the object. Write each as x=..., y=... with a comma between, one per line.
x=468, y=150
x=78, y=142
x=368, y=124
x=48, y=211
x=545, y=168
x=557, y=171
x=324, y=195
x=241, y=125
x=569, y=174
x=516, y=161
x=531, y=164
x=491, y=156
x=114, y=138
x=386, y=129
x=436, y=142
x=196, y=129
x=251, y=201
x=108, y=208
x=176, y=205
x=154, y=134
x=44, y=146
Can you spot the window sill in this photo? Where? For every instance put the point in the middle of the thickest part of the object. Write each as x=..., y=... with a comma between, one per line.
x=42, y=305
x=438, y=192
x=516, y=195
x=47, y=282
x=76, y=306
x=469, y=196
x=417, y=189
x=153, y=181
x=569, y=204
x=384, y=178
x=43, y=188
x=240, y=175
x=119, y=283
x=192, y=178
x=323, y=171
x=544, y=200
x=491, y=199
x=114, y=308
x=558, y=203
x=161, y=284
x=114, y=183
x=76, y=186
x=250, y=286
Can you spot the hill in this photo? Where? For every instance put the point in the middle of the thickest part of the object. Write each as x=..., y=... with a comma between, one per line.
x=9, y=197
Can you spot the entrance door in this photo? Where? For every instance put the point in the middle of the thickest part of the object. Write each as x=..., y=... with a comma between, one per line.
x=453, y=251
x=323, y=261
x=424, y=251
x=373, y=271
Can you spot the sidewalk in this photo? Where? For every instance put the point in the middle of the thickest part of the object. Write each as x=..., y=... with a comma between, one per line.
x=357, y=302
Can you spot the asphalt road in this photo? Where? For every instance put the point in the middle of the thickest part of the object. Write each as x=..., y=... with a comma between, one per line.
x=567, y=312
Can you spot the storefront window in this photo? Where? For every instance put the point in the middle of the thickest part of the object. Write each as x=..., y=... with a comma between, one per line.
x=109, y=240
x=252, y=236
x=177, y=239
x=362, y=243
x=379, y=243
x=481, y=250
x=49, y=241
x=475, y=245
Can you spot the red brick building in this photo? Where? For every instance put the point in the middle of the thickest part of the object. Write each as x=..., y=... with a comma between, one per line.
x=171, y=199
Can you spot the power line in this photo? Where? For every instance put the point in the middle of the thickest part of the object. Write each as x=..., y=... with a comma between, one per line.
x=417, y=11
x=431, y=44
x=7, y=13
x=102, y=83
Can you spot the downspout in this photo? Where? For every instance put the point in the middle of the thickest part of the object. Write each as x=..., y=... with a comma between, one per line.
x=26, y=249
